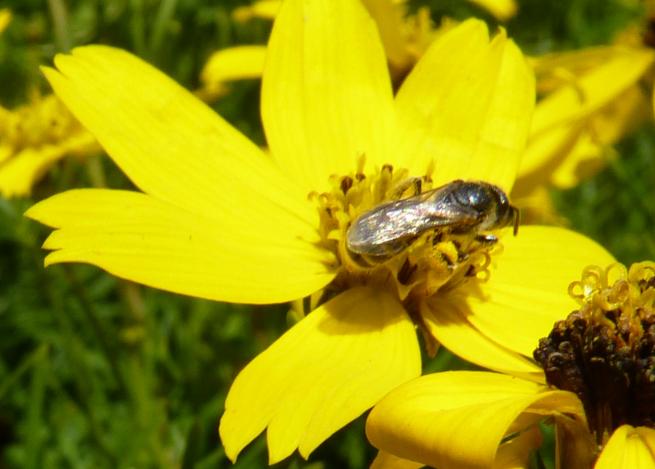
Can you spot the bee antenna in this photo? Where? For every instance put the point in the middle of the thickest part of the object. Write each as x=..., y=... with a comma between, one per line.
x=517, y=218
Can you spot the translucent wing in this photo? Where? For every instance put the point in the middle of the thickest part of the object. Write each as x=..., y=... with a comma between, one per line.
x=384, y=230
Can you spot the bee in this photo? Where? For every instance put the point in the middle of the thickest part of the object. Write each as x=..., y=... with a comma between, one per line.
x=457, y=207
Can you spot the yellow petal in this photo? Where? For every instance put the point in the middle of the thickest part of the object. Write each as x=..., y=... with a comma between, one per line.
x=389, y=17
x=592, y=150
x=558, y=116
x=558, y=68
x=265, y=9
x=628, y=448
x=143, y=239
x=445, y=318
x=385, y=460
x=20, y=172
x=432, y=419
x=326, y=92
x=501, y=9
x=575, y=446
x=514, y=453
x=233, y=63
x=527, y=291
x=170, y=144
x=324, y=372
x=467, y=106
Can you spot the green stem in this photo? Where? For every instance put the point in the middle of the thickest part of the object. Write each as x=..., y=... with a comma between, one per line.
x=82, y=376
x=92, y=317
x=30, y=361
x=164, y=15
x=137, y=28
x=60, y=23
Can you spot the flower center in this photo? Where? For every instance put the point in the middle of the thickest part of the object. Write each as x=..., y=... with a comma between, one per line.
x=605, y=351
x=45, y=121
x=417, y=264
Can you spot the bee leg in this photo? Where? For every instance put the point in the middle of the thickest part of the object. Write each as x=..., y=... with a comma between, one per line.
x=486, y=239
x=414, y=183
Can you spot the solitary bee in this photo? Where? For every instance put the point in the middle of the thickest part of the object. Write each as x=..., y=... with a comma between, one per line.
x=457, y=207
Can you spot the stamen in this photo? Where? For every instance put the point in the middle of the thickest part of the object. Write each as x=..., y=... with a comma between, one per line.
x=435, y=260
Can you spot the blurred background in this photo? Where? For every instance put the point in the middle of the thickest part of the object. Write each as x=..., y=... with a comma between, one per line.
x=98, y=372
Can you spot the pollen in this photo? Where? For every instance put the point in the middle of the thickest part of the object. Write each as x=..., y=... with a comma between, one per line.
x=604, y=352
x=432, y=262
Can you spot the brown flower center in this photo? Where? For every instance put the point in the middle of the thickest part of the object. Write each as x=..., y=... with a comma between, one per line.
x=605, y=351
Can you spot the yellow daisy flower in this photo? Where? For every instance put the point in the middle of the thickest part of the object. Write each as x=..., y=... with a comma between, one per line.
x=218, y=218
x=598, y=364
x=576, y=123
x=35, y=136
x=591, y=99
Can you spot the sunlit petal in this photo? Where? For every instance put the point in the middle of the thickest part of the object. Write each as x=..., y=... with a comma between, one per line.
x=20, y=172
x=325, y=371
x=326, y=92
x=233, y=63
x=431, y=419
x=628, y=448
x=467, y=106
x=169, y=143
x=138, y=237
x=385, y=460
x=514, y=454
x=558, y=117
x=446, y=320
x=501, y=9
x=527, y=289
x=265, y=9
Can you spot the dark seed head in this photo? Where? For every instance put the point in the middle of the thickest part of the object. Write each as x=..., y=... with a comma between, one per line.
x=605, y=351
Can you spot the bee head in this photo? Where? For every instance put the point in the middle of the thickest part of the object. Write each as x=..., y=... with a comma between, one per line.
x=492, y=204
x=505, y=213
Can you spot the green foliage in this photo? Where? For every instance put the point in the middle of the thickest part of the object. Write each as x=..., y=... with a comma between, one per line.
x=97, y=372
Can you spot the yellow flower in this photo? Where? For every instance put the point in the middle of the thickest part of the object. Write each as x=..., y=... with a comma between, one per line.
x=220, y=219
x=591, y=99
x=35, y=136
x=599, y=367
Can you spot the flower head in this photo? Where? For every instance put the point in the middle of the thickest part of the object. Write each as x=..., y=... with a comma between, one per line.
x=35, y=136
x=591, y=99
x=220, y=219
x=599, y=367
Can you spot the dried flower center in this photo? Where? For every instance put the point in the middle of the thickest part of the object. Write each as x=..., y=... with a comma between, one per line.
x=434, y=260
x=605, y=351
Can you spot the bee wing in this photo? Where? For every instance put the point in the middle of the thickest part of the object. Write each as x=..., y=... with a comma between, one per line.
x=382, y=230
